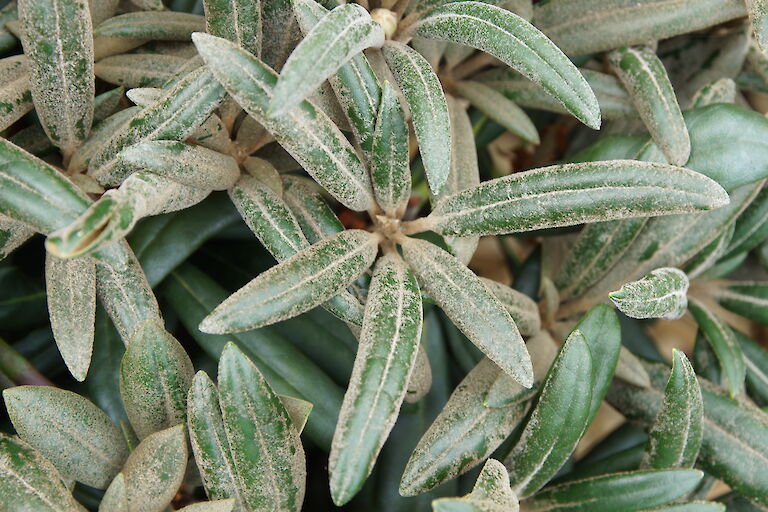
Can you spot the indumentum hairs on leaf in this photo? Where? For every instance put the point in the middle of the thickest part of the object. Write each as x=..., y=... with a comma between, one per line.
x=508, y=255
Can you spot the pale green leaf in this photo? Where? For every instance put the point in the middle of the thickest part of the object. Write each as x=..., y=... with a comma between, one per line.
x=471, y=306
x=115, y=499
x=660, y=294
x=429, y=110
x=15, y=96
x=12, y=235
x=523, y=310
x=344, y=32
x=491, y=493
x=298, y=410
x=316, y=219
x=99, y=137
x=758, y=15
x=162, y=26
x=70, y=431
x=385, y=360
x=58, y=43
x=518, y=44
x=722, y=90
x=211, y=506
x=239, y=21
x=138, y=70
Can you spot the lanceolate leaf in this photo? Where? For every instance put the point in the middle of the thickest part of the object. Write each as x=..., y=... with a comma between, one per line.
x=581, y=27
x=334, y=40
x=723, y=343
x=15, y=96
x=300, y=283
x=429, y=110
x=568, y=194
x=557, y=422
x=354, y=83
x=138, y=70
x=239, y=21
x=491, y=493
x=644, y=76
x=71, y=292
x=99, y=137
x=155, y=469
x=174, y=116
x=471, y=306
x=58, y=43
x=499, y=108
x=388, y=345
x=660, y=294
x=306, y=133
x=517, y=43
x=12, y=235
x=316, y=219
x=523, y=310
x=266, y=450
x=30, y=482
x=390, y=170
x=628, y=492
x=70, y=431
x=675, y=438
x=465, y=432
x=155, y=376
x=756, y=359
x=748, y=299
x=163, y=26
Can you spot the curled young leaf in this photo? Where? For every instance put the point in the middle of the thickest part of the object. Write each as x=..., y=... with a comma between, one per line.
x=660, y=294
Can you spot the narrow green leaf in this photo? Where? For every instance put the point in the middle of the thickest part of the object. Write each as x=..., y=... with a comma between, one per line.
x=471, y=306
x=15, y=95
x=99, y=137
x=646, y=80
x=115, y=498
x=176, y=115
x=723, y=343
x=58, y=43
x=316, y=219
x=756, y=359
x=184, y=163
x=429, y=110
x=161, y=26
x=271, y=469
x=499, y=108
x=628, y=492
x=155, y=376
x=746, y=298
x=719, y=91
x=239, y=21
x=138, y=70
x=385, y=360
x=390, y=169
x=518, y=44
x=491, y=493
x=12, y=235
x=307, y=134
x=675, y=438
x=523, y=310
x=751, y=228
x=708, y=257
x=344, y=32
x=354, y=83
x=758, y=16
x=660, y=294
x=30, y=482
x=557, y=422
x=300, y=283
x=71, y=292
x=569, y=194
x=70, y=431
x=155, y=469
x=582, y=26
x=464, y=433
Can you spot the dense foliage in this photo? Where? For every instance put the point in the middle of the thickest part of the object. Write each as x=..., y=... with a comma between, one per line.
x=608, y=156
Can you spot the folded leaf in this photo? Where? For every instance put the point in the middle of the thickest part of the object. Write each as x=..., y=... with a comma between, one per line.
x=471, y=306
x=569, y=194
x=660, y=294
x=30, y=482
x=71, y=293
x=239, y=21
x=518, y=44
x=307, y=134
x=300, y=283
x=266, y=450
x=347, y=30
x=464, y=433
x=723, y=343
x=628, y=492
x=58, y=43
x=646, y=80
x=491, y=493
x=388, y=345
x=675, y=438
x=155, y=469
x=557, y=422
x=429, y=110
x=298, y=410
x=70, y=431
x=15, y=96
x=162, y=26
x=390, y=169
